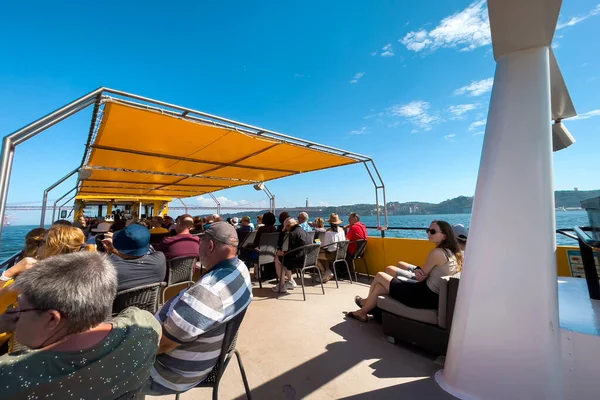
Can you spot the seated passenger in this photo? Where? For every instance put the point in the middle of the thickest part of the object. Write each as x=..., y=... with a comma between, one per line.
x=298, y=238
x=246, y=227
x=156, y=225
x=335, y=233
x=356, y=231
x=193, y=322
x=461, y=234
x=282, y=217
x=319, y=225
x=167, y=222
x=183, y=244
x=131, y=256
x=249, y=254
x=446, y=259
x=303, y=222
x=259, y=221
x=198, y=226
x=33, y=241
x=74, y=350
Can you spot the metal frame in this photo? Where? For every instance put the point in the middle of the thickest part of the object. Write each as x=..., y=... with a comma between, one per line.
x=64, y=204
x=271, y=198
x=48, y=189
x=56, y=202
x=102, y=95
x=184, y=205
x=217, y=202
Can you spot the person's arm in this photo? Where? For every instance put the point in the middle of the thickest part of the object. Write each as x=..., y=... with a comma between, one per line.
x=405, y=265
x=351, y=235
x=19, y=267
x=186, y=321
x=435, y=257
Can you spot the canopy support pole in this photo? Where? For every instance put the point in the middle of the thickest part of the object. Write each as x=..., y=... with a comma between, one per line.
x=11, y=141
x=56, y=202
x=65, y=203
x=216, y=202
x=379, y=187
x=48, y=189
x=520, y=314
x=184, y=205
x=271, y=197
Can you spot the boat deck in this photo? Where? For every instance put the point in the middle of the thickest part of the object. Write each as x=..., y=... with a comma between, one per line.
x=294, y=349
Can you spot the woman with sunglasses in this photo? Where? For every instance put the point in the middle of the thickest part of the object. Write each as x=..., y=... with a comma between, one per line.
x=422, y=292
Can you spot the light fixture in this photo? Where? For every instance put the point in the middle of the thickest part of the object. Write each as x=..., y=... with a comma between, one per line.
x=259, y=186
x=84, y=173
x=561, y=137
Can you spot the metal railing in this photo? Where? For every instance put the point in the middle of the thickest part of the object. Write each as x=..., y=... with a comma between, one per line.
x=9, y=262
x=588, y=246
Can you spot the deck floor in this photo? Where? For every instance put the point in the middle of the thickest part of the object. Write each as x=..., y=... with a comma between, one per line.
x=294, y=349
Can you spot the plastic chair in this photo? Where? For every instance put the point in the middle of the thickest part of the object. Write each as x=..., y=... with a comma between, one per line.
x=180, y=270
x=266, y=253
x=227, y=350
x=309, y=261
x=340, y=256
x=246, y=239
x=156, y=238
x=311, y=236
x=319, y=236
x=359, y=254
x=144, y=297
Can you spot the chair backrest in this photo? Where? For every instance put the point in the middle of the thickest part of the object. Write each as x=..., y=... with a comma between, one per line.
x=229, y=341
x=248, y=239
x=143, y=297
x=286, y=242
x=156, y=238
x=311, y=236
x=267, y=248
x=180, y=269
x=342, y=249
x=311, y=254
x=319, y=236
x=361, y=246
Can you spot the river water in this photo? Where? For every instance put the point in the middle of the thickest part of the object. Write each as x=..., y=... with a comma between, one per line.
x=13, y=236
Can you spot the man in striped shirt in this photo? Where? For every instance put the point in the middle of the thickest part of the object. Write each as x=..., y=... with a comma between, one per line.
x=193, y=323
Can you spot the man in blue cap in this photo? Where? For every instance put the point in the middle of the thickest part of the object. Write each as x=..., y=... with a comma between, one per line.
x=130, y=253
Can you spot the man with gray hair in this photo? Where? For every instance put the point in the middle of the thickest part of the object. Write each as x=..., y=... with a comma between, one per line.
x=73, y=349
x=303, y=222
x=193, y=322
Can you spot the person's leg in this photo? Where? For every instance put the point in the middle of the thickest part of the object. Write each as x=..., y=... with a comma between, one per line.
x=322, y=260
x=278, y=268
x=380, y=286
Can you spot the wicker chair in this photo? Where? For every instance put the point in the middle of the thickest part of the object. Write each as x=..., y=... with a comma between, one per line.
x=227, y=351
x=340, y=256
x=266, y=253
x=309, y=261
x=180, y=270
x=359, y=254
x=143, y=297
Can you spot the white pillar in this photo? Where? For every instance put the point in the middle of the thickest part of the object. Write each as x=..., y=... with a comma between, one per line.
x=505, y=340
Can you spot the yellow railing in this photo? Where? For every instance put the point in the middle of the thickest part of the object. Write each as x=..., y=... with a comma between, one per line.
x=382, y=252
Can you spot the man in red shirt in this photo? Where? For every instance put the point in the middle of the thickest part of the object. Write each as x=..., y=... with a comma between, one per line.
x=356, y=231
x=184, y=244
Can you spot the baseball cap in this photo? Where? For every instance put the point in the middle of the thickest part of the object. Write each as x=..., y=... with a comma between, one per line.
x=461, y=232
x=222, y=232
x=133, y=240
x=246, y=218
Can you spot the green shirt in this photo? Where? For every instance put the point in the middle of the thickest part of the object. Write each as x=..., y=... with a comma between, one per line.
x=119, y=364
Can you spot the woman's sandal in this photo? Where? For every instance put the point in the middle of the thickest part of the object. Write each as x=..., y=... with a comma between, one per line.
x=358, y=300
x=352, y=315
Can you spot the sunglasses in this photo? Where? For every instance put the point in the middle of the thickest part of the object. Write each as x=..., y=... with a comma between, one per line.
x=432, y=231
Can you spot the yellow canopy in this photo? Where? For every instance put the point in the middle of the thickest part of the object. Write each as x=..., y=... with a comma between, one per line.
x=143, y=151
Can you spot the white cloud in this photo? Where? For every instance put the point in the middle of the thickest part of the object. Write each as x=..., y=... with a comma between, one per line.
x=478, y=133
x=575, y=20
x=298, y=75
x=361, y=131
x=388, y=50
x=477, y=124
x=357, y=76
x=465, y=30
x=373, y=54
x=476, y=88
x=416, y=112
x=586, y=115
x=225, y=202
x=461, y=109
x=449, y=137
x=555, y=45
x=414, y=131
x=394, y=124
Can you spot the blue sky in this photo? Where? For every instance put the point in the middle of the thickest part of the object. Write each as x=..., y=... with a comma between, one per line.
x=408, y=86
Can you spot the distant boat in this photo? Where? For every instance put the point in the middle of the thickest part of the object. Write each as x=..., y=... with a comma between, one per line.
x=560, y=209
x=6, y=221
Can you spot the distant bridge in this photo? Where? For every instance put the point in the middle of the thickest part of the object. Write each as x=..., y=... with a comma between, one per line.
x=177, y=208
